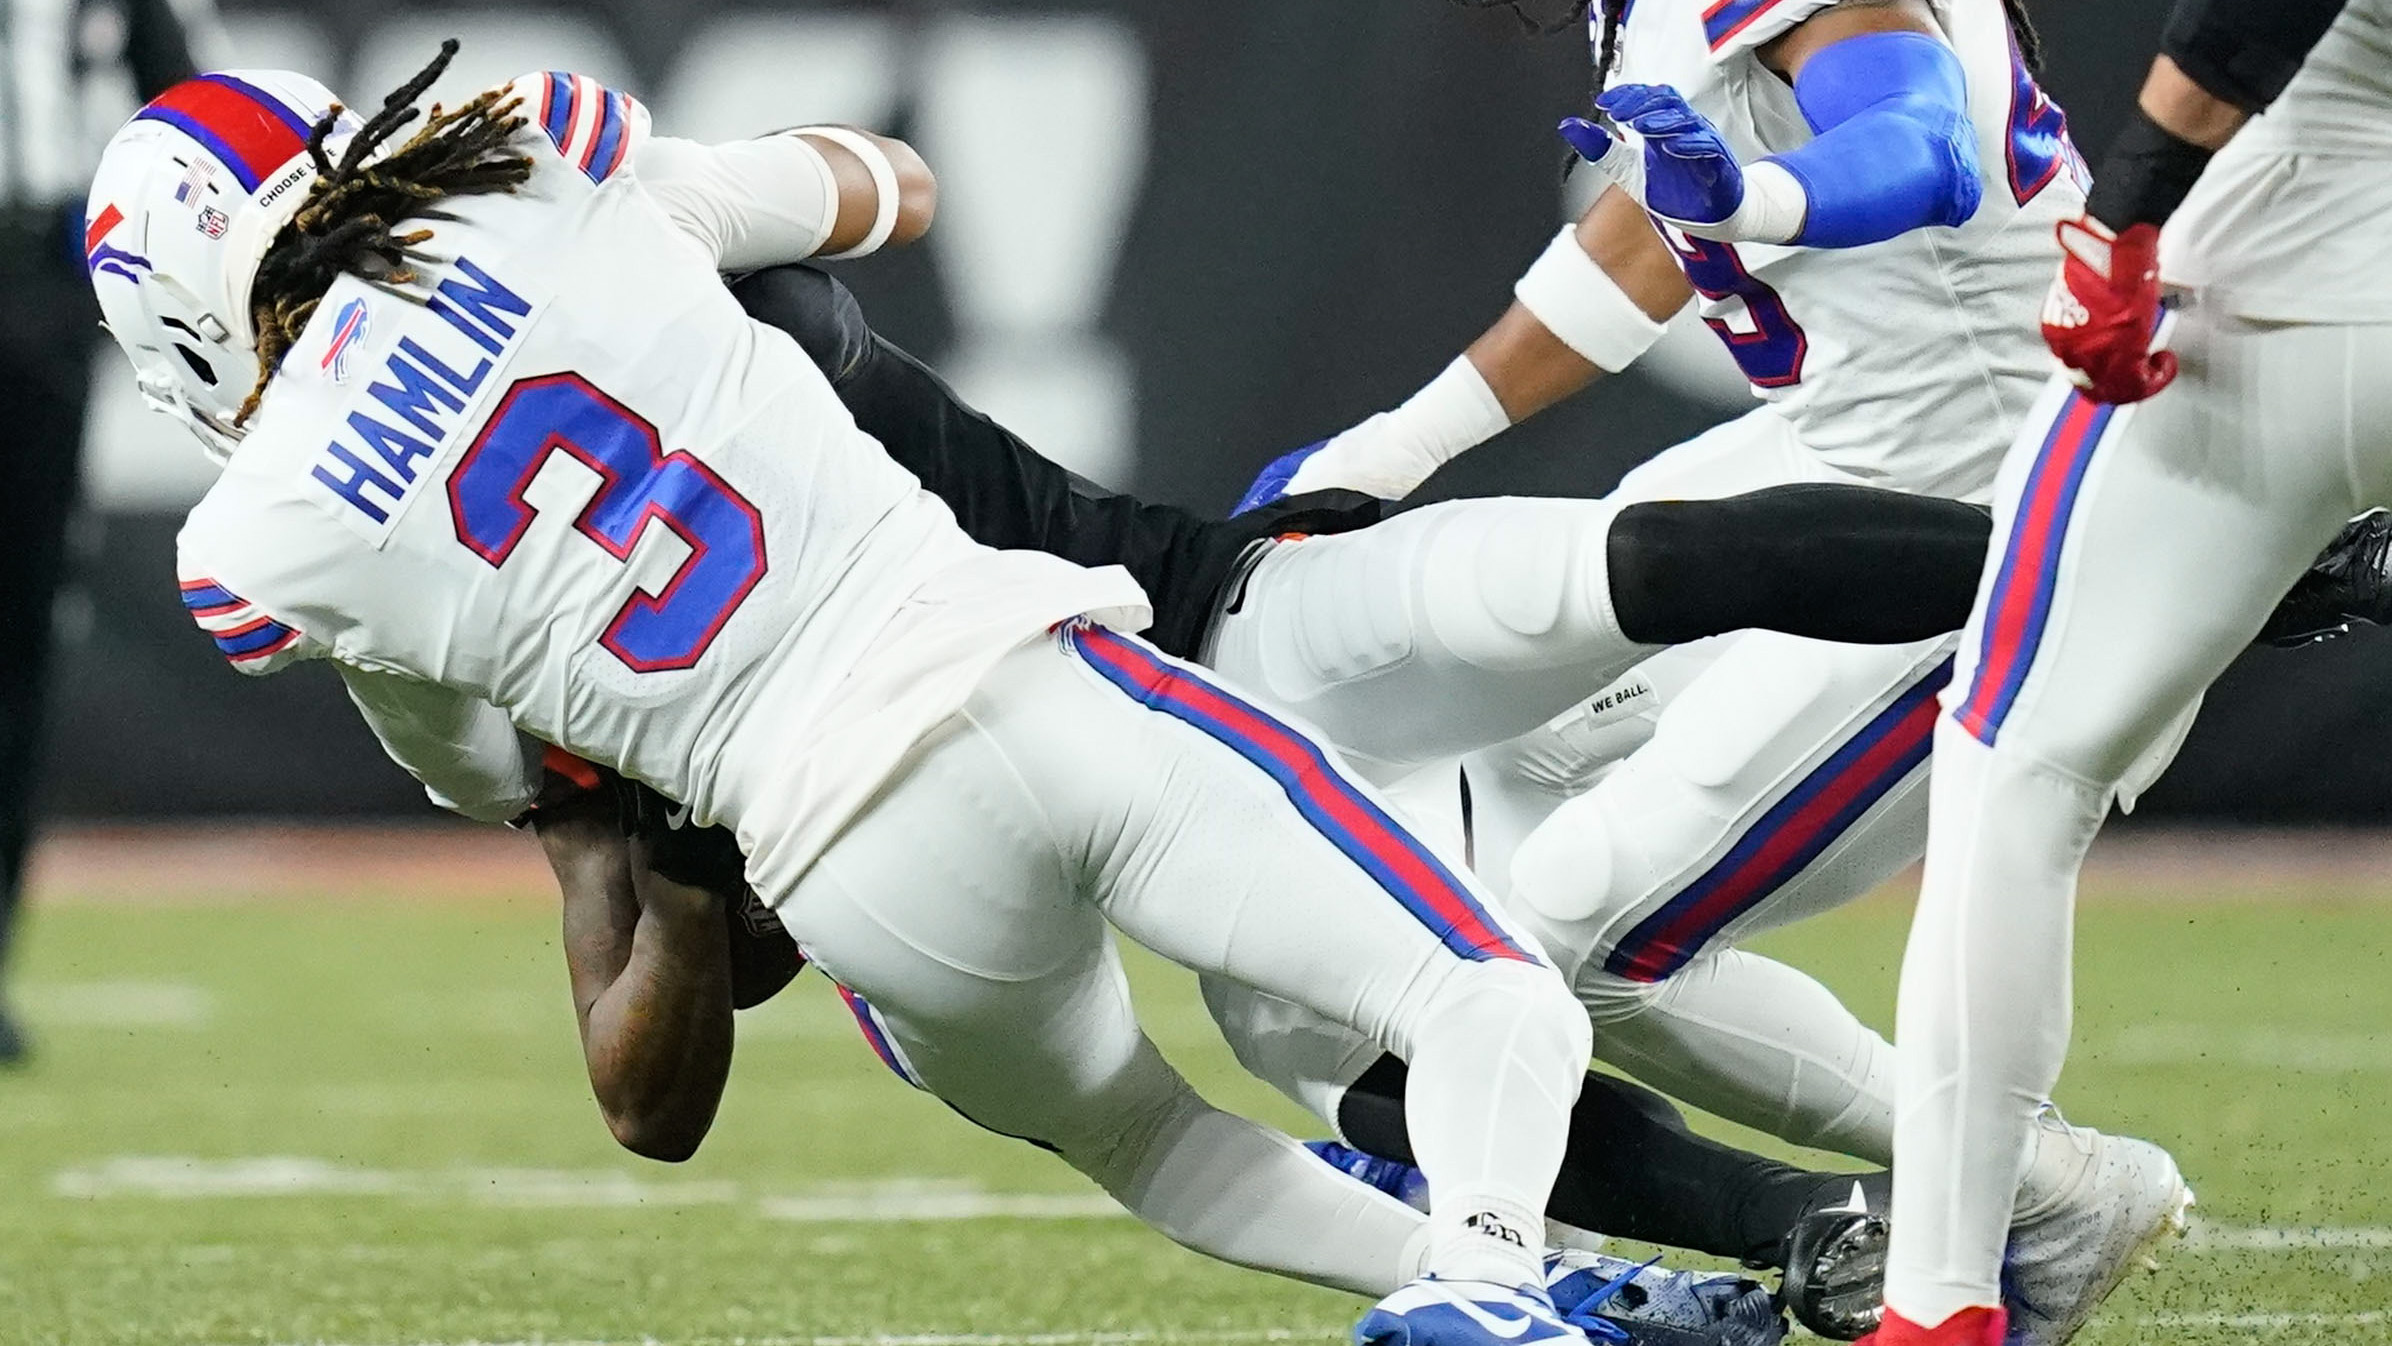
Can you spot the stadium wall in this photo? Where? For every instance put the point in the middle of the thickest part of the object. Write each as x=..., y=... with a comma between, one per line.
x=1175, y=239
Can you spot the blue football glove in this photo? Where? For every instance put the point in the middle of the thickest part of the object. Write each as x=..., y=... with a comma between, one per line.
x=1271, y=484
x=1687, y=170
x=1686, y=174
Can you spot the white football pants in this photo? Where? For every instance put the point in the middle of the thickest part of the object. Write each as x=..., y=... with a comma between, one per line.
x=2136, y=552
x=1783, y=777
x=1092, y=780
x=1441, y=631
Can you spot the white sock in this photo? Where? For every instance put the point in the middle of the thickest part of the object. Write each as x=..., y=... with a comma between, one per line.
x=1984, y=1015
x=1497, y=1052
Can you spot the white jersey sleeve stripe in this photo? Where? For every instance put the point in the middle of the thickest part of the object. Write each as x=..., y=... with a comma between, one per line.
x=588, y=102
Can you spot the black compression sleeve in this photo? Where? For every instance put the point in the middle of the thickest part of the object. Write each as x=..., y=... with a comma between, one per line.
x=2146, y=175
x=1003, y=492
x=1846, y=563
x=1634, y=1170
x=2246, y=51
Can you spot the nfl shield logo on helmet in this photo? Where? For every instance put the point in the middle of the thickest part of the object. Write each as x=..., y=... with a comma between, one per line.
x=348, y=333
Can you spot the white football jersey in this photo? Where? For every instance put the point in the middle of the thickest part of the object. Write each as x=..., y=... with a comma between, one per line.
x=563, y=483
x=1907, y=363
x=2283, y=224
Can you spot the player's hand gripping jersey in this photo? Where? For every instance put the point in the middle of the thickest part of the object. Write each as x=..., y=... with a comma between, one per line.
x=563, y=483
x=1906, y=362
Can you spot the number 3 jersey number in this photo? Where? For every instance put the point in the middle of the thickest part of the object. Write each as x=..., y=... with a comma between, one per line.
x=639, y=484
x=1770, y=346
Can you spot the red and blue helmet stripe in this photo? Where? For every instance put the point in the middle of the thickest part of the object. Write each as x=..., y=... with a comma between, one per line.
x=1348, y=818
x=252, y=132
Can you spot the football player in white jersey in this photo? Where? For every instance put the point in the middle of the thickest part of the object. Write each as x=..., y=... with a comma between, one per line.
x=2136, y=544
x=514, y=459
x=1860, y=198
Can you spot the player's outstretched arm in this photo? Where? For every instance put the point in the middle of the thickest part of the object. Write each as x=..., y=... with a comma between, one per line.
x=811, y=191
x=1595, y=300
x=651, y=974
x=1893, y=147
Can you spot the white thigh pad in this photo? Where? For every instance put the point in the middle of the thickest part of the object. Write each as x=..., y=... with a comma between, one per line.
x=1499, y=576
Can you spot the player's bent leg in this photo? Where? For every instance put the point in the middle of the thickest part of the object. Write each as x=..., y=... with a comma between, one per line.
x=2140, y=550
x=985, y=978
x=1437, y=632
x=1253, y=855
x=1516, y=785
x=1785, y=780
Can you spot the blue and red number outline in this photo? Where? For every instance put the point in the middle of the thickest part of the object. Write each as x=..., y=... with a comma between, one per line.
x=553, y=442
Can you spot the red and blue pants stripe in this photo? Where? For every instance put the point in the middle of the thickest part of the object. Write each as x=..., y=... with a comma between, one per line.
x=2017, y=609
x=1821, y=808
x=1338, y=808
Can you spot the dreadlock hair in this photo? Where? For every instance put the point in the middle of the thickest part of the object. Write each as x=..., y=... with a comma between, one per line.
x=2022, y=30
x=349, y=220
x=1571, y=15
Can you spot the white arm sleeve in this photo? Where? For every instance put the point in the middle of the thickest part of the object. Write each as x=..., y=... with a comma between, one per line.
x=462, y=748
x=749, y=203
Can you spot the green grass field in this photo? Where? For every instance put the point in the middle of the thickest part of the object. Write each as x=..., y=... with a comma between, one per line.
x=364, y=1121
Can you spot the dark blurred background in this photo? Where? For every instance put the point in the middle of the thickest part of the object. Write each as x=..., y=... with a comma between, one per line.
x=1175, y=239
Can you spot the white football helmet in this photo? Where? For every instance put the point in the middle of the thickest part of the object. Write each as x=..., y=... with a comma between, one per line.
x=188, y=198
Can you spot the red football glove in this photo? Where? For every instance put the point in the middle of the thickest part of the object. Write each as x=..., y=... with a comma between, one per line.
x=2103, y=308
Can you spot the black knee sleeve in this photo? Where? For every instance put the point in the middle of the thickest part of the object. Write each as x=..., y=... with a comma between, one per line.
x=1846, y=563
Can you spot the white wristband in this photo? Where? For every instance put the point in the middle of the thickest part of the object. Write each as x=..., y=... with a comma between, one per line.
x=1580, y=303
x=1390, y=454
x=884, y=185
x=1773, y=210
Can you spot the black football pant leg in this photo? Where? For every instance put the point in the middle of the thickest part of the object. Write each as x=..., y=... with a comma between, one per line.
x=1634, y=1170
x=1847, y=563
x=46, y=333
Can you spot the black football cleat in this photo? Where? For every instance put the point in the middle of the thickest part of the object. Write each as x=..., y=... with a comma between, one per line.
x=2350, y=582
x=1835, y=1273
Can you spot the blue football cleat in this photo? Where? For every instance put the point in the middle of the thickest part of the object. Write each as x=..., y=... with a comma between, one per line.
x=1394, y=1177
x=1431, y=1312
x=1650, y=1305
x=1271, y=484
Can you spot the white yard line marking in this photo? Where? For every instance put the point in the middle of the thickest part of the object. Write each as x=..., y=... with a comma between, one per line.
x=169, y=1178
x=2207, y=1238
x=174, y=1178
x=118, y=1004
x=1159, y=1337
x=890, y=1206
x=2265, y=1322
x=2310, y=1052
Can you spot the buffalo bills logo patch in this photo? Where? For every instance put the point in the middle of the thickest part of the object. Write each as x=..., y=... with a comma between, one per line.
x=348, y=333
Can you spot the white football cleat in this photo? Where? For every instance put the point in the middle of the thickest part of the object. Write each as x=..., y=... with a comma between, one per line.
x=2093, y=1208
